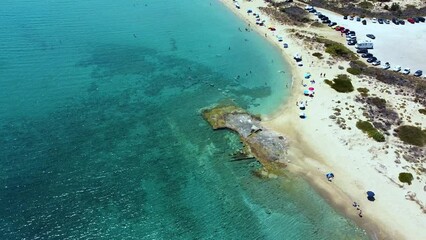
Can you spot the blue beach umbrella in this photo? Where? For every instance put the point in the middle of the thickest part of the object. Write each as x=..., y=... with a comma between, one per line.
x=370, y=194
x=307, y=75
x=306, y=92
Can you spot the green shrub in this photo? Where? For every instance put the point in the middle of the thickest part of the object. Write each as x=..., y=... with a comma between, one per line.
x=363, y=91
x=378, y=102
x=318, y=55
x=422, y=111
x=406, y=177
x=395, y=7
x=354, y=71
x=412, y=135
x=336, y=49
x=376, y=135
x=368, y=128
x=365, y=5
x=342, y=83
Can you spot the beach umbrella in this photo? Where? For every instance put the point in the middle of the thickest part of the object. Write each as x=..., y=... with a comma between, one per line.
x=370, y=194
x=306, y=92
x=302, y=115
x=307, y=75
x=310, y=92
x=311, y=89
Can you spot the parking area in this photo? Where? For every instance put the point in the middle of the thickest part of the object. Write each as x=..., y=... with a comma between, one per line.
x=400, y=45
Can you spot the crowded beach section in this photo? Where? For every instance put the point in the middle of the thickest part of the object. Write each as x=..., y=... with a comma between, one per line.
x=324, y=125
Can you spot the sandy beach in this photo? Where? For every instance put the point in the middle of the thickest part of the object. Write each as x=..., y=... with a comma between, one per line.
x=320, y=144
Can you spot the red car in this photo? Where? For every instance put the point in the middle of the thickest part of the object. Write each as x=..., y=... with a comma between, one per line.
x=410, y=20
x=340, y=28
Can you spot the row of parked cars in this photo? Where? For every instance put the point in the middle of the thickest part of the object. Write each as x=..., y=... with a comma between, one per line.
x=363, y=47
x=396, y=21
x=374, y=61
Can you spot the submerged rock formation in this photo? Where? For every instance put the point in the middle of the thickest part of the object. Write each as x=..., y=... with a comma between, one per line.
x=266, y=145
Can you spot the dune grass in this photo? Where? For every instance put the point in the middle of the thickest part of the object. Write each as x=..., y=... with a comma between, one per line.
x=372, y=132
x=363, y=91
x=412, y=135
x=406, y=177
x=342, y=83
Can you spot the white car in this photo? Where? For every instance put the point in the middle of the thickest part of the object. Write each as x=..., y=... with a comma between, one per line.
x=406, y=71
x=386, y=66
x=374, y=20
x=397, y=68
x=376, y=63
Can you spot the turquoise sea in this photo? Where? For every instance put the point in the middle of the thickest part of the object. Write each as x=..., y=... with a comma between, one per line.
x=101, y=135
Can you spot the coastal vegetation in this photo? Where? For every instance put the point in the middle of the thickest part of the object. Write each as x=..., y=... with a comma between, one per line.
x=365, y=5
x=318, y=55
x=378, y=102
x=422, y=111
x=354, y=71
x=412, y=135
x=406, y=177
x=372, y=132
x=342, y=83
x=363, y=91
x=337, y=50
x=413, y=85
x=286, y=13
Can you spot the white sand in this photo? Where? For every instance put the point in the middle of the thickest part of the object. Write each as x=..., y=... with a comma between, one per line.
x=359, y=163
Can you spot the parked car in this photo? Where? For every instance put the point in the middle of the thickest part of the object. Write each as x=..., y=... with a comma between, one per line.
x=351, y=17
x=345, y=17
x=406, y=71
x=402, y=22
x=396, y=69
x=364, y=22
x=371, y=36
x=367, y=55
x=332, y=24
x=358, y=19
x=372, y=59
x=418, y=73
x=380, y=21
x=376, y=63
x=387, y=21
x=374, y=20
x=416, y=19
x=421, y=19
x=326, y=21
x=338, y=28
x=395, y=21
x=352, y=42
x=362, y=51
x=386, y=66
x=410, y=20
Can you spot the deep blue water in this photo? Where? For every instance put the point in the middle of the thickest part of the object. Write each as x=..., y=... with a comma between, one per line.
x=101, y=135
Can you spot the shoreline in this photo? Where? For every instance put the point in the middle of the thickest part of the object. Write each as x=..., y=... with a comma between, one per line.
x=308, y=150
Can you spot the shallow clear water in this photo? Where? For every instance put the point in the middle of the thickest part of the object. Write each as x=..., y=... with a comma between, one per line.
x=101, y=135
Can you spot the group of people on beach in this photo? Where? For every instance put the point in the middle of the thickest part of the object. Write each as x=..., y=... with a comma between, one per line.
x=356, y=205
